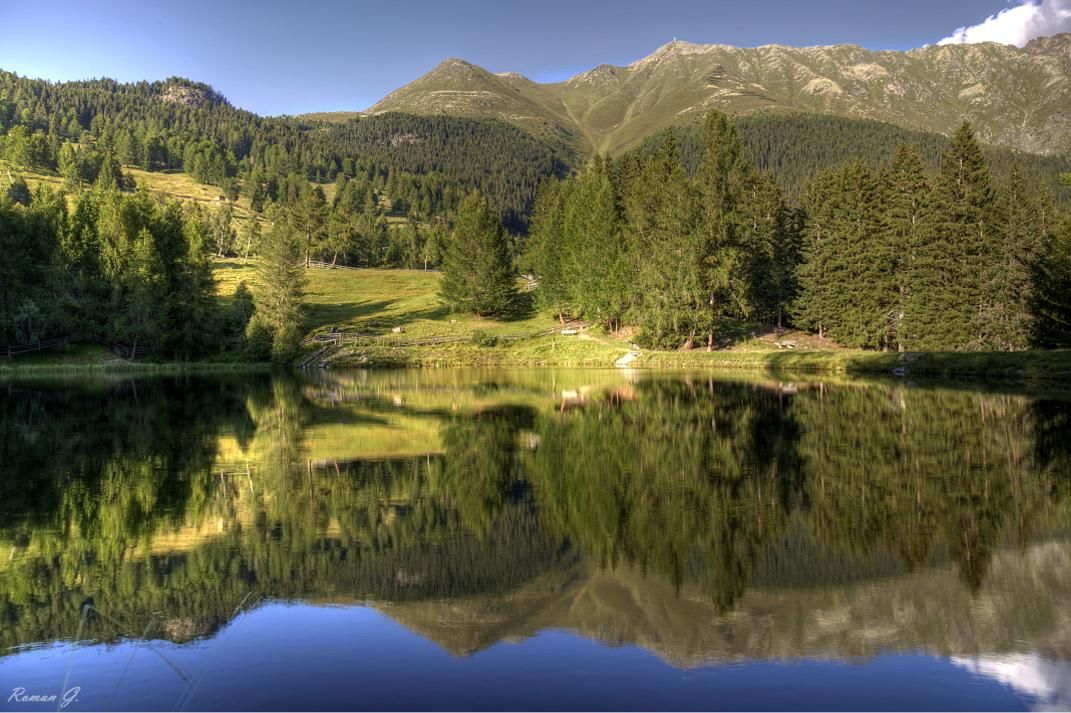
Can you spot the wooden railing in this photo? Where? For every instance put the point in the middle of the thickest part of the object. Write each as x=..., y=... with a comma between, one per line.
x=14, y=350
x=329, y=266
x=338, y=338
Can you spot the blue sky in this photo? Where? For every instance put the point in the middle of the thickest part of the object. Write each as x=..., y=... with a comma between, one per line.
x=318, y=55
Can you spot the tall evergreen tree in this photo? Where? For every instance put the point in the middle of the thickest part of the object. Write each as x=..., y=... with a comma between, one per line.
x=477, y=270
x=847, y=282
x=1051, y=303
x=1004, y=320
x=593, y=265
x=907, y=221
x=546, y=245
x=280, y=290
x=726, y=242
x=669, y=267
x=774, y=236
x=308, y=217
x=944, y=308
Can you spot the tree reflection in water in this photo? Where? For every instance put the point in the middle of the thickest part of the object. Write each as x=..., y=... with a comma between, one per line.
x=698, y=517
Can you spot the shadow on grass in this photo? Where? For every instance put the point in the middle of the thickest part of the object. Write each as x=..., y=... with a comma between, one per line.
x=522, y=308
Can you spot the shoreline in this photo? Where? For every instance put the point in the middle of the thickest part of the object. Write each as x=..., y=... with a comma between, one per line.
x=1053, y=366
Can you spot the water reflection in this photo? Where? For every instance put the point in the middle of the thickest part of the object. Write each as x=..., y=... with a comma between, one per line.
x=701, y=519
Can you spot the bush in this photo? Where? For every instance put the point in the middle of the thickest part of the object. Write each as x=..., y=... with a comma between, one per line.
x=482, y=339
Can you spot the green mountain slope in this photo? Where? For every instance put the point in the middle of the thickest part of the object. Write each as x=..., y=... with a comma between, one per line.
x=1019, y=98
x=795, y=147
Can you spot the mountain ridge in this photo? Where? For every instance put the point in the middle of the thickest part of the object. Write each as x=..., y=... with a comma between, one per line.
x=1016, y=97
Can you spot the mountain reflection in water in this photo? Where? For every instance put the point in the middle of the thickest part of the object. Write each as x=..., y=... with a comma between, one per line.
x=701, y=520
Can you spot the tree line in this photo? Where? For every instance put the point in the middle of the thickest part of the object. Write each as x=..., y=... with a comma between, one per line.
x=897, y=257
x=793, y=148
x=111, y=266
x=818, y=488
x=425, y=164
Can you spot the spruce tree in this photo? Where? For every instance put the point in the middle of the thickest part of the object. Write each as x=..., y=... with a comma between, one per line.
x=944, y=308
x=1051, y=299
x=1004, y=319
x=308, y=217
x=772, y=261
x=592, y=267
x=280, y=290
x=544, y=253
x=477, y=270
x=849, y=290
x=726, y=242
x=814, y=306
x=671, y=303
x=906, y=197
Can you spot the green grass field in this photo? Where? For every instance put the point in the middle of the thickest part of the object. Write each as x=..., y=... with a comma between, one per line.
x=373, y=302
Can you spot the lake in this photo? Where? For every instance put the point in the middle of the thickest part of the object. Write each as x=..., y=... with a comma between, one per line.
x=533, y=540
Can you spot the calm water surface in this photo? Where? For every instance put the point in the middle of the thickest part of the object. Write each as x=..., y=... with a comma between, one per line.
x=533, y=539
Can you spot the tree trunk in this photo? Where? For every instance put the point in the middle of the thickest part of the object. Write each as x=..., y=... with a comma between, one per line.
x=710, y=335
x=334, y=258
x=561, y=316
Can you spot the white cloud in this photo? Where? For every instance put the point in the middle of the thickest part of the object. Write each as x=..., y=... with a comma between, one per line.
x=1047, y=683
x=1017, y=25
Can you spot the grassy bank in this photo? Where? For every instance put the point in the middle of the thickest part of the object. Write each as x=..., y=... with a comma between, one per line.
x=78, y=359
x=576, y=352
x=372, y=303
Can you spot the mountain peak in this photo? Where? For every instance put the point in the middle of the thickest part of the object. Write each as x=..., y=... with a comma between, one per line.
x=1014, y=97
x=1060, y=43
x=675, y=48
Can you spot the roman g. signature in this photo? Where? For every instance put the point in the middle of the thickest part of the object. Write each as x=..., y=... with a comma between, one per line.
x=19, y=695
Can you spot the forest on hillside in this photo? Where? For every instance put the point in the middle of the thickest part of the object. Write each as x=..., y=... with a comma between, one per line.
x=422, y=164
x=873, y=236
x=897, y=257
x=794, y=147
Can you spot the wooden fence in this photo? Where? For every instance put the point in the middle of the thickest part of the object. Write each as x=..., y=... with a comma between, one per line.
x=339, y=338
x=122, y=350
x=15, y=350
x=329, y=266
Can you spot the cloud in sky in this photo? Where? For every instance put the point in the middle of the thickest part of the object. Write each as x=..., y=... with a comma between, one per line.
x=1048, y=683
x=1017, y=25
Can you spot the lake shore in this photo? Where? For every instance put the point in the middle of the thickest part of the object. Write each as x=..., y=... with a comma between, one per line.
x=584, y=350
x=596, y=352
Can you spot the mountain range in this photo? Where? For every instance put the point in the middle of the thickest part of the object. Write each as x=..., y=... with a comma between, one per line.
x=1018, y=98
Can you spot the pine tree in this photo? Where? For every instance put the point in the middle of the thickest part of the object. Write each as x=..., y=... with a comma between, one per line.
x=907, y=223
x=19, y=192
x=280, y=289
x=592, y=265
x=431, y=252
x=947, y=278
x=727, y=243
x=1005, y=320
x=669, y=267
x=69, y=166
x=849, y=291
x=250, y=236
x=772, y=261
x=546, y=246
x=1051, y=301
x=477, y=271
x=308, y=217
x=814, y=308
